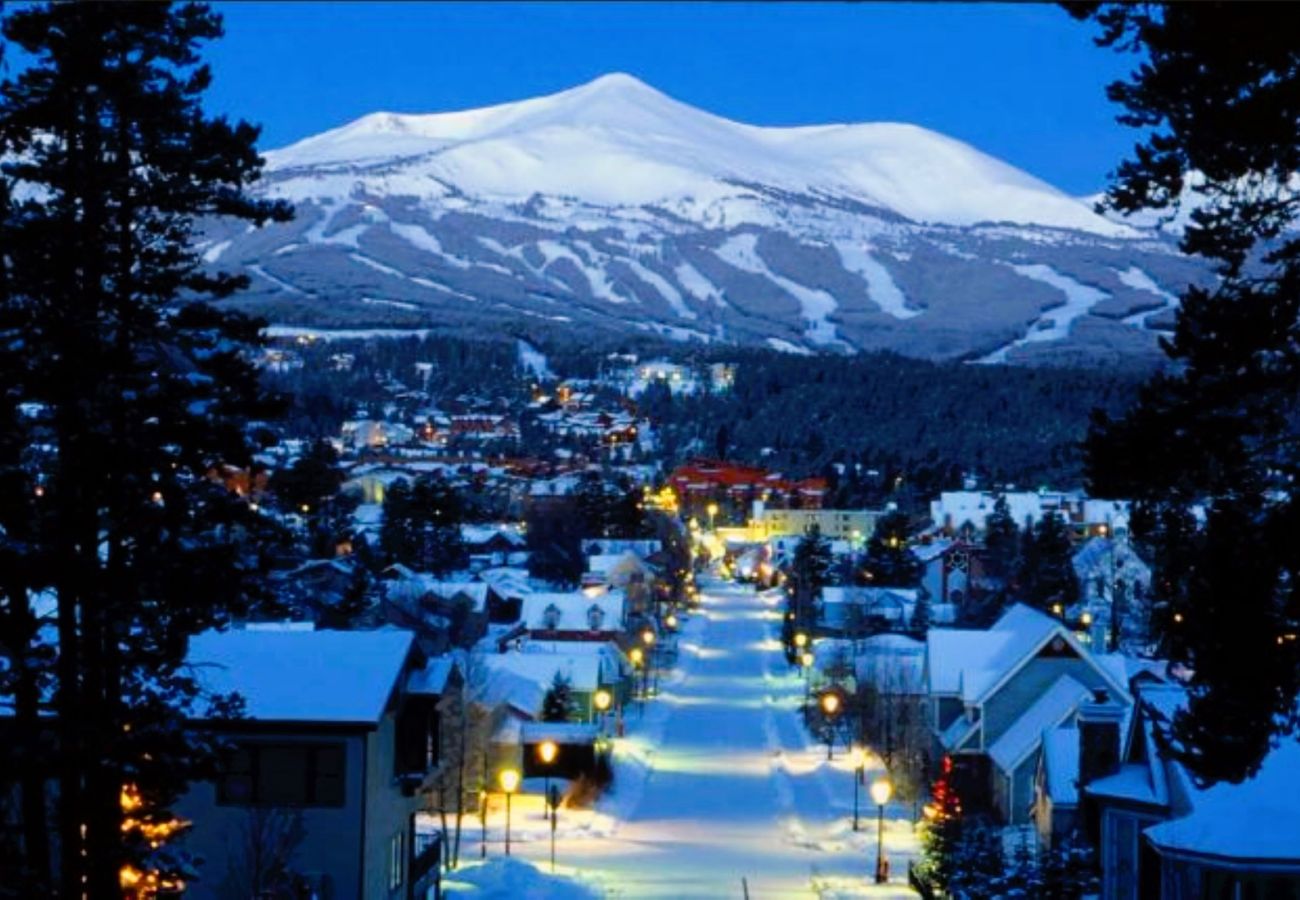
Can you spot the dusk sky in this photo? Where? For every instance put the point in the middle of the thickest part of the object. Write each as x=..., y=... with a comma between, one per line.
x=1022, y=82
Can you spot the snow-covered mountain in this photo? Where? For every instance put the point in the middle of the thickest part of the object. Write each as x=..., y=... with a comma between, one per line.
x=613, y=206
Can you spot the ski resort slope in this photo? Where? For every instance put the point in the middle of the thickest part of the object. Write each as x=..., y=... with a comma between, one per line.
x=717, y=782
x=618, y=141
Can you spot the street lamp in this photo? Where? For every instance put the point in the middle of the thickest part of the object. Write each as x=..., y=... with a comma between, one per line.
x=858, y=757
x=881, y=790
x=647, y=638
x=602, y=700
x=806, y=660
x=546, y=752
x=713, y=512
x=509, y=779
x=637, y=655
x=800, y=639
x=830, y=704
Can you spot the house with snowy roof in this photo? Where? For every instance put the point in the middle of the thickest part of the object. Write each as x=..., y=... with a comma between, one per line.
x=593, y=615
x=992, y=693
x=340, y=735
x=1163, y=836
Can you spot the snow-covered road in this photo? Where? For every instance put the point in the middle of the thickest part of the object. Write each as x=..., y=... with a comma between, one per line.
x=718, y=782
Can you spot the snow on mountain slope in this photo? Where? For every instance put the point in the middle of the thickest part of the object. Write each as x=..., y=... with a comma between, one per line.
x=617, y=140
x=613, y=207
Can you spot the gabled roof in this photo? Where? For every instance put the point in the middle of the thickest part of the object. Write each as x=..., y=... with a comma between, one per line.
x=958, y=732
x=573, y=608
x=303, y=676
x=975, y=664
x=582, y=670
x=1053, y=707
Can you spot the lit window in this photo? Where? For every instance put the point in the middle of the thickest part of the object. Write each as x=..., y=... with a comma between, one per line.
x=396, y=860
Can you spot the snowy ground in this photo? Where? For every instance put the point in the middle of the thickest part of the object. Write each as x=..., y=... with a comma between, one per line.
x=716, y=782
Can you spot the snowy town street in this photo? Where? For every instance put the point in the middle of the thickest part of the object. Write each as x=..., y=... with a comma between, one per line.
x=718, y=781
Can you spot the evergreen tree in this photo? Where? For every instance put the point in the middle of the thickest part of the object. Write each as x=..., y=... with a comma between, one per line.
x=554, y=540
x=422, y=526
x=1218, y=428
x=1047, y=574
x=1001, y=541
x=140, y=390
x=810, y=570
x=558, y=704
x=942, y=832
x=312, y=479
x=889, y=560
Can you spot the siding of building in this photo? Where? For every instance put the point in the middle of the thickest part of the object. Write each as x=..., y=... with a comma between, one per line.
x=1031, y=682
x=331, y=846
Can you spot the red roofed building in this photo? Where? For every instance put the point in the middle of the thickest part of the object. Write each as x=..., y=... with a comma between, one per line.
x=735, y=486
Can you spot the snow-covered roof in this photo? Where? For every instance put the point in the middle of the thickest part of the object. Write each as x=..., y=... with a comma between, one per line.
x=582, y=670
x=958, y=732
x=502, y=687
x=1061, y=764
x=303, y=676
x=432, y=679
x=606, y=563
x=481, y=534
x=560, y=732
x=1052, y=707
x=971, y=663
x=574, y=609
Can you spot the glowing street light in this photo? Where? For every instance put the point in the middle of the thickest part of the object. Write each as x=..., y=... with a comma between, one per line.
x=858, y=757
x=546, y=752
x=831, y=707
x=800, y=640
x=712, y=510
x=671, y=620
x=509, y=779
x=601, y=701
x=881, y=790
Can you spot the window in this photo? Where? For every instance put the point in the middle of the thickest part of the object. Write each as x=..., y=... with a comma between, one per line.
x=396, y=860
x=256, y=774
x=551, y=617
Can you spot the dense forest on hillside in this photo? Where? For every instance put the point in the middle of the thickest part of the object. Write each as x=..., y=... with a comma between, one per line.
x=864, y=421
x=928, y=422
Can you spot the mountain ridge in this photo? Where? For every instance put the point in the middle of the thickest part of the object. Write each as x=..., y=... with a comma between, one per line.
x=614, y=206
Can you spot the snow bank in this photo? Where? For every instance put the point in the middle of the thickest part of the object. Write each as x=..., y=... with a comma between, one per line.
x=512, y=879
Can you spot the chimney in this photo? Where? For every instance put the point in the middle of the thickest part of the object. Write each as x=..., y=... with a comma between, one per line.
x=1099, y=739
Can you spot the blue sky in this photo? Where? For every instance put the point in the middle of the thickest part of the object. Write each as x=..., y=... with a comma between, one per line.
x=1022, y=82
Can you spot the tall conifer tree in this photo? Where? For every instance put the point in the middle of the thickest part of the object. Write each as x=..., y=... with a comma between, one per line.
x=135, y=390
x=1217, y=95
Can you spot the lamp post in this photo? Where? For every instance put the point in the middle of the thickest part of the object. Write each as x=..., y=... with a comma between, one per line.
x=713, y=512
x=648, y=638
x=881, y=790
x=509, y=779
x=830, y=704
x=637, y=655
x=546, y=753
x=806, y=660
x=602, y=700
x=858, y=757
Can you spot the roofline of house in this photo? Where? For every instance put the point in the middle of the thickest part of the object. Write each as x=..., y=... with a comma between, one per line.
x=1084, y=654
x=1249, y=863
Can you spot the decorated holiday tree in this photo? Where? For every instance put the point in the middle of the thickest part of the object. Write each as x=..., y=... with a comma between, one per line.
x=942, y=830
